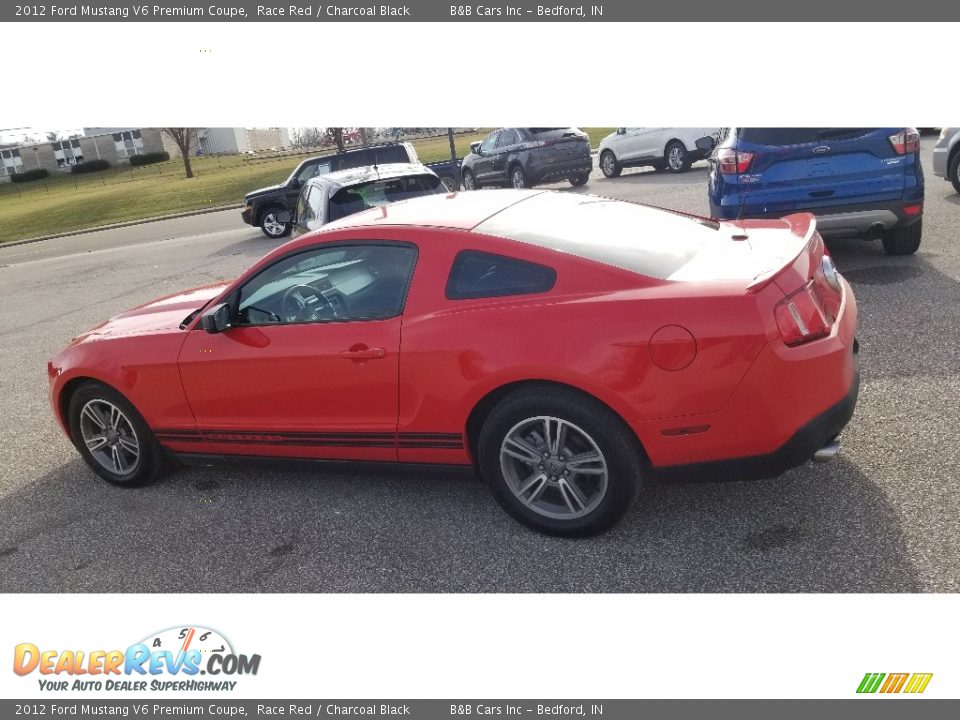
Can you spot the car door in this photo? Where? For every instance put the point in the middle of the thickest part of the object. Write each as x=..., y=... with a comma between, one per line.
x=310, y=363
x=483, y=167
x=507, y=143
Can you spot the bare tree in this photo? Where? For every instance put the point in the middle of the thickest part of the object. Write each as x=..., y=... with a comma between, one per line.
x=183, y=137
x=336, y=134
x=363, y=136
x=53, y=136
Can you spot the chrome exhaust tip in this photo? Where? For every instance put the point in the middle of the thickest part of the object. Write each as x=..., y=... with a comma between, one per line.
x=828, y=452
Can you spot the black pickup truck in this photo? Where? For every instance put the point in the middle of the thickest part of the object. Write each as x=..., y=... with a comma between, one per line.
x=262, y=207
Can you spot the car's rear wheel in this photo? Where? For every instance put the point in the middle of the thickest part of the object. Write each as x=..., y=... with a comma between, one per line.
x=518, y=177
x=609, y=165
x=903, y=240
x=579, y=180
x=469, y=183
x=271, y=226
x=676, y=157
x=559, y=462
x=113, y=437
x=955, y=171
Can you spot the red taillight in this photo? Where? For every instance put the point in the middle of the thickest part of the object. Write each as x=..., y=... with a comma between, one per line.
x=801, y=316
x=734, y=162
x=907, y=141
x=913, y=210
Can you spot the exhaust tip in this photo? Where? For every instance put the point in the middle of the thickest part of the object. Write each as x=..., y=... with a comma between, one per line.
x=828, y=452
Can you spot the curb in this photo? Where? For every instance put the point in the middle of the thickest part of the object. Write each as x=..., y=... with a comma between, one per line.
x=114, y=226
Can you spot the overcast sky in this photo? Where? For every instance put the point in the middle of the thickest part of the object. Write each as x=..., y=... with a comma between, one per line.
x=15, y=135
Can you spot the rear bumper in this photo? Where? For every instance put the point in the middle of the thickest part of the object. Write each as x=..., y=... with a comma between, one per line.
x=843, y=220
x=552, y=172
x=940, y=157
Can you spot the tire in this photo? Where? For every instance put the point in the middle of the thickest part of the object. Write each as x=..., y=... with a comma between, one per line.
x=676, y=158
x=903, y=240
x=469, y=183
x=607, y=486
x=89, y=412
x=579, y=180
x=609, y=165
x=518, y=177
x=954, y=171
x=272, y=227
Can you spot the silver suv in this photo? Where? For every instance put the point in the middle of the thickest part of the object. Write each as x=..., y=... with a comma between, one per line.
x=946, y=156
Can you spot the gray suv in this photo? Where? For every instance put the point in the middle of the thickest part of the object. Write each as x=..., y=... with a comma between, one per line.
x=946, y=156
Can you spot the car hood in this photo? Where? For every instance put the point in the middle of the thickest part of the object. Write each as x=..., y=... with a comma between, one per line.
x=160, y=315
x=269, y=190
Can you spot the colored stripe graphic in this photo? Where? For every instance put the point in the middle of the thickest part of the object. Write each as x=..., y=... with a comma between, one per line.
x=895, y=683
x=918, y=683
x=870, y=682
x=433, y=441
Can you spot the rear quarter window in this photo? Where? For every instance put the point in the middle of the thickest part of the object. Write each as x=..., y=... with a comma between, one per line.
x=476, y=274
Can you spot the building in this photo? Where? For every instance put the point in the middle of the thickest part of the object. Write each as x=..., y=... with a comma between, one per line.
x=115, y=145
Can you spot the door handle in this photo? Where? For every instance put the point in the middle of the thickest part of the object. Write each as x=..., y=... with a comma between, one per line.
x=362, y=352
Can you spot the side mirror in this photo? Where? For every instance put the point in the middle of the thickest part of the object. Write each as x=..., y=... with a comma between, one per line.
x=706, y=143
x=295, y=182
x=216, y=319
x=475, y=148
x=284, y=216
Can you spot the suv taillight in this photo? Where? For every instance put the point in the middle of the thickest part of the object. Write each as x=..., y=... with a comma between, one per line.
x=801, y=316
x=907, y=141
x=734, y=162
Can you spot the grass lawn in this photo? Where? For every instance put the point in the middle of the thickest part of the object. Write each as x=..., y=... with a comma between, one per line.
x=66, y=202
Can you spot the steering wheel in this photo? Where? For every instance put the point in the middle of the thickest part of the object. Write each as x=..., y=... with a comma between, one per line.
x=305, y=303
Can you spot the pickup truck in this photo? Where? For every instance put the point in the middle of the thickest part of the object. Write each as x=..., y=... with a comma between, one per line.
x=262, y=208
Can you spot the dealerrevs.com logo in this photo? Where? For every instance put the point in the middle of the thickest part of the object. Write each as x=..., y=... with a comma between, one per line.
x=177, y=659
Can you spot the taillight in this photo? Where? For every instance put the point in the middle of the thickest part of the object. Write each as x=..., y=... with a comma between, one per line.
x=801, y=317
x=907, y=141
x=734, y=162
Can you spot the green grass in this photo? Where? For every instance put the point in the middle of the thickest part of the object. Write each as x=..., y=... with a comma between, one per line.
x=63, y=203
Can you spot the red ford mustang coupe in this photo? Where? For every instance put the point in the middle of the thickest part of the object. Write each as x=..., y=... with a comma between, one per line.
x=568, y=345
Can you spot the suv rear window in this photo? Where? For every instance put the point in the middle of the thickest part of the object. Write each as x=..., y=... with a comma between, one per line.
x=644, y=240
x=353, y=199
x=799, y=136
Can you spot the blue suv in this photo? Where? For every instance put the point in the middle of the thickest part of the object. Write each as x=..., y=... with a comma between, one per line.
x=857, y=181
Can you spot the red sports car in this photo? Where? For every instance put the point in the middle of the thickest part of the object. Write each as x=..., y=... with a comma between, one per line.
x=568, y=345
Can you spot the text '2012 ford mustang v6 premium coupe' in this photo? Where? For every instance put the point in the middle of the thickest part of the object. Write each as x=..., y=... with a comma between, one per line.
x=567, y=345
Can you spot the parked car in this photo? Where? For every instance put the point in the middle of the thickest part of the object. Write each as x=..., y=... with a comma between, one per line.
x=946, y=156
x=673, y=149
x=568, y=345
x=864, y=182
x=524, y=157
x=326, y=198
x=262, y=207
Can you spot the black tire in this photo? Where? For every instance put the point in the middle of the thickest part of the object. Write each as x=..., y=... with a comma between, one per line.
x=271, y=227
x=609, y=165
x=468, y=181
x=676, y=158
x=152, y=461
x=903, y=240
x=579, y=180
x=955, y=171
x=518, y=178
x=617, y=446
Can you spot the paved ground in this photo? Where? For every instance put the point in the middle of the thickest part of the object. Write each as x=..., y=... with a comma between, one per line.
x=884, y=517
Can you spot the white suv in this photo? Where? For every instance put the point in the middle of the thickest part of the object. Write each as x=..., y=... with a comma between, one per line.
x=946, y=156
x=671, y=149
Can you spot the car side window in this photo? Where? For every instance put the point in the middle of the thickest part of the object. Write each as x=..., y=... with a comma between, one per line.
x=332, y=283
x=491, y=141
x=507, y=138
x=476, y=274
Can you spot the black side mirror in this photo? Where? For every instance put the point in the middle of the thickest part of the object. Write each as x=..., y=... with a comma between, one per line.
x=216, y=319
x=475, y=148
x=284, y=216
x=706, y=143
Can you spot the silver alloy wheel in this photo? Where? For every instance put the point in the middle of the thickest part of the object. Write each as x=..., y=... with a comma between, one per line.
x=517, y=179
x=468, y=183
x=675, y=157
x=110, y=437
x=274, y=227
x=554, y=467
x=609, y=164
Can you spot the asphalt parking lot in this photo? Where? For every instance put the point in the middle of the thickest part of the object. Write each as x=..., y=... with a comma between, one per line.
x=884, y=517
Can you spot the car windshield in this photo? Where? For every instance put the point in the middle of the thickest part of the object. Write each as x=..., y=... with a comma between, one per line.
x=311, y=170
x=374, y=193
x=644, y=240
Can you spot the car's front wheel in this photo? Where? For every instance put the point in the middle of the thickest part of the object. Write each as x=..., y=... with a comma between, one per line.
x=609, y=165
x=113, y=437
x=903, y=240
x=559, y=462
x=271, y=226
x=676, y=157
x=955, y=171
x=469, y=183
